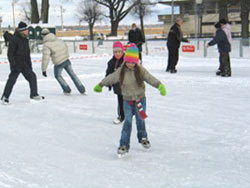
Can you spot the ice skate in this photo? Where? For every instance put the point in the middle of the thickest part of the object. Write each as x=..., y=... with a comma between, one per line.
x=37, y=99
x=122, y=151
x=118, y=121
x=4, y=101
x=145, y=143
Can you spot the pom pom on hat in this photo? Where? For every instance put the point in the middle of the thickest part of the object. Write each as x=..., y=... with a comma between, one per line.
x=132, y=54
x=22, y=26
x=118, y=45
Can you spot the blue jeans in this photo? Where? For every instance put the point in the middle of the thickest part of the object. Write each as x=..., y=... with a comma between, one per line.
x=58, y=75
x=129, y=111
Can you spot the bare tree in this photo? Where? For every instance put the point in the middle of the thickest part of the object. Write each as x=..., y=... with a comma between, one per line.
x=141, y=10
x=45, y=11
x=34, y=11
x=223, y=9
x=90, y=12
x=118, y=9
x=26, y=11
x=244, y=19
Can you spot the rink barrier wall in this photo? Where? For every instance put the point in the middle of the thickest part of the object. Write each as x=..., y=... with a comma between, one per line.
x=95, y=49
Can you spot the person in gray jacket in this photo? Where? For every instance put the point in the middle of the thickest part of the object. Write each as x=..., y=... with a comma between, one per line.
x=131, y=77
x=57, y=50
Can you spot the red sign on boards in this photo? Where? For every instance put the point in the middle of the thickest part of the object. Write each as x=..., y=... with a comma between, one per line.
x=83, y=47
x=188, y=48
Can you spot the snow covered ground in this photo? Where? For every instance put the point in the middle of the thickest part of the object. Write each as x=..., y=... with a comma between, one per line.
x=199, y=132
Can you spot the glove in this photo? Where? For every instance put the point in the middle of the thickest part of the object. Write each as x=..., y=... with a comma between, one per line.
x=110, y=88
x=45, y=74
x=98, y=88
x=162, y=89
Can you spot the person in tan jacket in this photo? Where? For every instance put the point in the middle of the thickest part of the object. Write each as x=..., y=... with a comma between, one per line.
x=57, y=50
x=131, y=76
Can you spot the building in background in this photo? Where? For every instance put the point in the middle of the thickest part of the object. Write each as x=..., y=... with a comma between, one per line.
x=200, y=16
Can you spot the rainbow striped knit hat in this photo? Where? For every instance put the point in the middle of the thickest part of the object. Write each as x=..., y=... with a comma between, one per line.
x=132, y=54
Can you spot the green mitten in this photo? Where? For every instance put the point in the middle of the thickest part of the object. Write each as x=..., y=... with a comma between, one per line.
x=162, y=89
x=98, y=88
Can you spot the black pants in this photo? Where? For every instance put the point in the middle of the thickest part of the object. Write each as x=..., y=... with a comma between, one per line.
x=28, y=74
x=120, y=107
x=225, y=66
x=173, y=56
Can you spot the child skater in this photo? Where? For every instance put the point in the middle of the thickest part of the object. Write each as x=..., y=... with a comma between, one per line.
x=113, y=65
x=131, y=77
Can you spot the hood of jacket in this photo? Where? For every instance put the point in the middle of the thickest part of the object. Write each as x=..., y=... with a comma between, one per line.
x=227, y=27
x=49, y=37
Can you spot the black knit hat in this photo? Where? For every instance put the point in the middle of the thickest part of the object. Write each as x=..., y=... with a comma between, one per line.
x=217, y=25
x=223, y=21
x=22, y=26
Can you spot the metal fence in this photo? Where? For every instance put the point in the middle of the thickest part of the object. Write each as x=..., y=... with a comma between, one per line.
x=240, y=47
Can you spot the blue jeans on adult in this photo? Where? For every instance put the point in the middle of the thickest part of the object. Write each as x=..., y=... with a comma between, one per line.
x=58, y=75
x=129, y=111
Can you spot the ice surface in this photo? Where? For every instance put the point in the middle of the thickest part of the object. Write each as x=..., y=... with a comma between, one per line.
x=199, y=132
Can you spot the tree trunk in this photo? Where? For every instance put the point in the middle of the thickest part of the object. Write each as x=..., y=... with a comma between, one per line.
x=141, y=19
x=244, y=21
x=223, y=9
x=114, y=28
x=34, y=12
x=91, y=33
x=45, y=11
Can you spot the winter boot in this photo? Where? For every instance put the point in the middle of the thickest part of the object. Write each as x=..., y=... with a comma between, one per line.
x=118, y=120
x=122, y=150
x=37, y=98
x=145, y=143
x=4, y=100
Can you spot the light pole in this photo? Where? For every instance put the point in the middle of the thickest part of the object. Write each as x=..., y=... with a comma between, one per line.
x=62, y=10
x=197, y=20
x=13, y=14
x=172, y=15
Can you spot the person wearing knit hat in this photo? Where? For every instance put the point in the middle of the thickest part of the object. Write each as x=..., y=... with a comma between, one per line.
x=113, y=64
x=224, y=48
x=131, y=77
x=58, y=51
x=20, y=62
x=132, y=54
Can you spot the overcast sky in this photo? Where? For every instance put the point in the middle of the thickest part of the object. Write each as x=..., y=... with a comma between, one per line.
x=69, y=15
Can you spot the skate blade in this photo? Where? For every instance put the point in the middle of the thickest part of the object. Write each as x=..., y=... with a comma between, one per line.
x=33, y=101
x=120, y=156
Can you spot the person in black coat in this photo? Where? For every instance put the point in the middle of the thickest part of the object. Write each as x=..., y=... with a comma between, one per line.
x=20, y=62
x=7, y=36
x=113, y=65
x=224, y=48
x=135, y=36
x=175, y=37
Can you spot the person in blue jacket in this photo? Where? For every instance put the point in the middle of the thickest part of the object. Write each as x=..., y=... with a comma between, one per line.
x=224, y=48
x=113, y=65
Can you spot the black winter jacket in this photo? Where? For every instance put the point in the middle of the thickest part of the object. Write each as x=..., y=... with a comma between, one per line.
x=113, y=65
x=19, y=52
x=136, y=36
x=175, y=36
x=221, y=40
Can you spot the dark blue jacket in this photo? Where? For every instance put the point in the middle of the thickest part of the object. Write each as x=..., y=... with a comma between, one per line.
x=19, y=52
x=221, y=40
x=175, y=36
x=113, y=64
